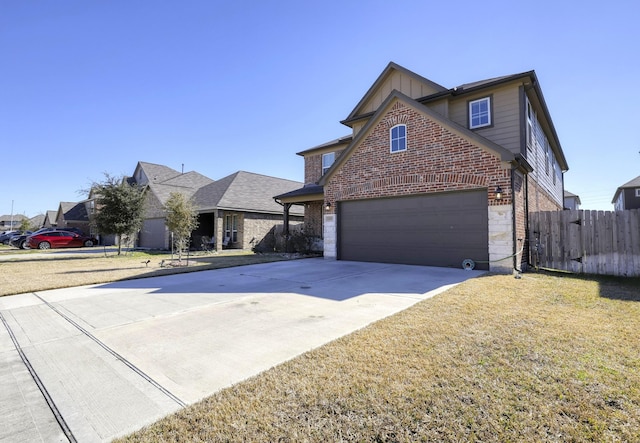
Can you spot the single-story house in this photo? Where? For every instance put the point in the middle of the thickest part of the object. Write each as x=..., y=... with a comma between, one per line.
x=235, y=212
x=435, y=176
x=74, y=215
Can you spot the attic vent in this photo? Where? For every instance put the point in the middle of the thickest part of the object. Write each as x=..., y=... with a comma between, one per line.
x=396, y=120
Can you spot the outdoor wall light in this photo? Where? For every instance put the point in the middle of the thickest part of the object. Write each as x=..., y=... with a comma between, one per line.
x=498, y=193
x=327, y=205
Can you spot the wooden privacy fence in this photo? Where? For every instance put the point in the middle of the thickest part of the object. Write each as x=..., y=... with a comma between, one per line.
x=589, y=242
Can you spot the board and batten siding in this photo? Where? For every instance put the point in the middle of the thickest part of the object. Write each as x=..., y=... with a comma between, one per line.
x=399, y=81
x=505, y=118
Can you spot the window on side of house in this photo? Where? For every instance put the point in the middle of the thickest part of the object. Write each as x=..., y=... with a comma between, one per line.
x=231, y=227
x=398, y=138
x=637, y=192
x=530, y=118
x=327, y=161
x=546, y=157
x=480, y=113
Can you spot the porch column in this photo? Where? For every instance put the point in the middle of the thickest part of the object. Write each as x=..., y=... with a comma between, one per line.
x=285, y=230
x=218, y=223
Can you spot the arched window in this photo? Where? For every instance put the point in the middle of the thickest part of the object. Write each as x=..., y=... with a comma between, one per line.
x=398, y=137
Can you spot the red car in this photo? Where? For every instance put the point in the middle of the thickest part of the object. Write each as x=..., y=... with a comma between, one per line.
x=59, y=239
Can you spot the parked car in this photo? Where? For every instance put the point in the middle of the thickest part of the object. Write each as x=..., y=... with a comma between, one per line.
x=70, y=229
x=20, y=241
x=6, y=236
x=59, y=239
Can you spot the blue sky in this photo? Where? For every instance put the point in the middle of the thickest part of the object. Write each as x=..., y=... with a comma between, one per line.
x=88, y=87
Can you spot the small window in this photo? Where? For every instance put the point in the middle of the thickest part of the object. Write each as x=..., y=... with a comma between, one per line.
x=637, y=192
x=480, y=113
x=327, y=161
x=398, y=136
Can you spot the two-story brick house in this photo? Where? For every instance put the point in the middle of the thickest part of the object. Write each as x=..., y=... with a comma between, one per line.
x=435, y=176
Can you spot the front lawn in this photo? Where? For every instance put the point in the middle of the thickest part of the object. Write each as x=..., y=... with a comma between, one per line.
x=543, y=358
x=28, y=271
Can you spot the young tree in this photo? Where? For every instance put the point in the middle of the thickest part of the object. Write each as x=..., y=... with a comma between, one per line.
x=25, y=225
x=119, y=208
x=181, y=219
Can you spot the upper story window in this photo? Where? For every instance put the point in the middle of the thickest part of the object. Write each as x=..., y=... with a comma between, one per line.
x=327, y=161
x=398, y=137
x=530, y=118
x=480, y=113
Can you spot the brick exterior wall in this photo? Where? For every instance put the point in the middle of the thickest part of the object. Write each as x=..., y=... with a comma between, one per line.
x=519, y=197
x=313, y=218
x=252, y=228
x=436, y=160
x=312, y=168
x=540, y=199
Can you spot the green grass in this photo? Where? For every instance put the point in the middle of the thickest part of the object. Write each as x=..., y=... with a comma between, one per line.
x=543, y=358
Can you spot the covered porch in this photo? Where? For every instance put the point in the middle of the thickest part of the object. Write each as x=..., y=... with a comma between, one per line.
x=311, y=197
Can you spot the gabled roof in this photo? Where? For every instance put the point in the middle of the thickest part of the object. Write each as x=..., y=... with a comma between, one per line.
x=503, y=153
x=635, y=183
x=37, y=220
x=388, y=71
x=466, y=88
x=73, y=211
x=568, y=194
x=245, y=191
x=16, y=217
x=157, y=173
x=162, y=180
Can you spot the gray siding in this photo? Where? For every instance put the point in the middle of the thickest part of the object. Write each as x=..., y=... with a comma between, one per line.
x=505, y=130
x=546, y=171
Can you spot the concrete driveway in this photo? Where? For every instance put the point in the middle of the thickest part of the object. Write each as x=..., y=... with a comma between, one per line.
x=95, y=362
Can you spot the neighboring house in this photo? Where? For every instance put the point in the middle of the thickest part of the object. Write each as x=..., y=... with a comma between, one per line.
x=435, y=176
x=36, y=221
x=74, y=215
x=571, y=201
x=159, y=182
x=237, y=211
x=11, y=222
x=627, y=196
x=50, y=219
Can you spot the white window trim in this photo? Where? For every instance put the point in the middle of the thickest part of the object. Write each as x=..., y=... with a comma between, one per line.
x=637, y=192
x=391, y=139
x=326, y=168
x=490, y=117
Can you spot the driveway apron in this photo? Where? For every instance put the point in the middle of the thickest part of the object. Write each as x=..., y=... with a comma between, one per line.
x=96, y=362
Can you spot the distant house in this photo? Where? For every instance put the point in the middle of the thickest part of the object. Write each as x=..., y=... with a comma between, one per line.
x=11, y=222
x=159, y=182
x=37, y=221
x=571, y=201
x=627, y=196
x=74, y=215
x=236, y=212
x=50, y=219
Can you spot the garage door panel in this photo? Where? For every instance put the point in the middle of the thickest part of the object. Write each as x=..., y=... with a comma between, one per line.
x=427, y=229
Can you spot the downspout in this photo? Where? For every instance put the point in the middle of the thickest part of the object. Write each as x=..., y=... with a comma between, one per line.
x=285, y=231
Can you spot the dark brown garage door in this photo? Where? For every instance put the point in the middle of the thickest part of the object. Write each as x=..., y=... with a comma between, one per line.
x=427, y=229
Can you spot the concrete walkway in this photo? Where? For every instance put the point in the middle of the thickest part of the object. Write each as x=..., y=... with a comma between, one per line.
x=92, y=363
